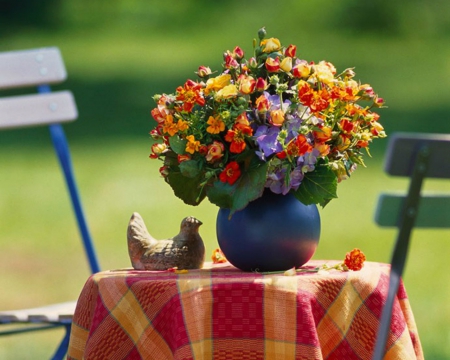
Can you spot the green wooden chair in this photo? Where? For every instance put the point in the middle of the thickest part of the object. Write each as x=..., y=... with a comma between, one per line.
x=417, y=156
x=40, y=68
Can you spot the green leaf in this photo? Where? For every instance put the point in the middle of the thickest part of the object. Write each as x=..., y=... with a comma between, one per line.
x=189, y=168
x=186, y=188
x=221, y=194
x=178, y=145
x=318, y=187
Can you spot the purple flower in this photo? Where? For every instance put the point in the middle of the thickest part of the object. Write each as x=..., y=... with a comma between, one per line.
x=276, y=182
x=266, y=137
x=296, y=178
x=308, y=161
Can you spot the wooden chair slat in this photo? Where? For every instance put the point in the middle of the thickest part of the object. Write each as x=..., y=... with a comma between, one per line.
x=402, y=152
x=52, y=313
x=37, y=109
x=31, y=67
x=434, y=211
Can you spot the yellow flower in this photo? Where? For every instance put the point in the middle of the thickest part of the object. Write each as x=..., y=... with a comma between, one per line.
x=286, y=64
x=192, y=145
x=217, y=83
x=227, y=92
x=271, y=45
x=216, y=125
x=324, y=72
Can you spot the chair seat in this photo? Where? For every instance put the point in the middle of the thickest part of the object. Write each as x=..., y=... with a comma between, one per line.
x=61, y=313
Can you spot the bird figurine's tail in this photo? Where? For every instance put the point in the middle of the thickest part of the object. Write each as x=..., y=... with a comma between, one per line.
x=139, y=240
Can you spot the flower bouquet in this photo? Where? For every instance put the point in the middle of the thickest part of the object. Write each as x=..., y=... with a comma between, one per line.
x=271, y=121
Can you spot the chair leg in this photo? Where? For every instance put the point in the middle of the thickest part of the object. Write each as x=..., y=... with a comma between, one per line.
x=64, y=345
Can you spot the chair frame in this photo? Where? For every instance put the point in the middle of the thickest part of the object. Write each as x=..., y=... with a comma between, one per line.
x=409, y=155
x=49, y=320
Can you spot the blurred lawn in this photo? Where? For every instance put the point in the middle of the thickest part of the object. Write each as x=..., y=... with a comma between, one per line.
x=118, y=60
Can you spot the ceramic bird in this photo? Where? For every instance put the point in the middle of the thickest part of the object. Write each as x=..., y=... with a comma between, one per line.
x=183, y=251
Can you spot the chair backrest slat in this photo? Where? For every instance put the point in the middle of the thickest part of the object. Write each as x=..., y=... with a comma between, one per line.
x=402, y=151
x=31, y=67
x=37, y=109
x=434, y=211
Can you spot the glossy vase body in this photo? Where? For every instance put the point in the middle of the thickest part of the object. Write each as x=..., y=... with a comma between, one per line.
x=273, y=233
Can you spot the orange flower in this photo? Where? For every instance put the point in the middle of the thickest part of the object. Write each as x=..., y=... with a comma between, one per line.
x=322, y=135
x=354, y=260
x=169, y=126
x=316, y=100
x=216, y=125
x=231, y=173
x=190, y=95
x=192, y=145
x=218, y=257
x=297, y=147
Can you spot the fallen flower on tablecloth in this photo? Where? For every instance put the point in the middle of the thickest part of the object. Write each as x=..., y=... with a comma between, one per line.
x=218, y=257
x=354, y=260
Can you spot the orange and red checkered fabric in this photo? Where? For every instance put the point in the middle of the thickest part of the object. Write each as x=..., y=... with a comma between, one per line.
x=222, y=313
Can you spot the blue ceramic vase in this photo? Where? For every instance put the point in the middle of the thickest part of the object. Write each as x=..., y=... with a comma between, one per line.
x=273, y=233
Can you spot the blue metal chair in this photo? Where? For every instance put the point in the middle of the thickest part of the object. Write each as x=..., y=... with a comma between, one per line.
x=417, y=156
x=41, y=68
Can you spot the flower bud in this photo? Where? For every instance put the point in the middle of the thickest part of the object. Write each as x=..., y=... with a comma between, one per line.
x=272, y=65
x=164, y=171
x=238, y=53
x=261, y=84
x=262, y=33
x=301, y=70
x=246, y=84
x=286, y=64
x=262, y=104
x=184, y=157
x=277, y=117
x=349, y=73
x=290, y=51
x=274, y=80
x=252, y=63
x=203, y=71
x=230, y=62
x=378, y=102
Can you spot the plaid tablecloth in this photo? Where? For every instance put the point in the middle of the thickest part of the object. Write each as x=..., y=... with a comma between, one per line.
x=222, y=313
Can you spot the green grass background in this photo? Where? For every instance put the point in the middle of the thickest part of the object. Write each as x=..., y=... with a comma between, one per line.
x=120, y=53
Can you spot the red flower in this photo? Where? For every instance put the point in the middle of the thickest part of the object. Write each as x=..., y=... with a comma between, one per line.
x=231, y=173
x=354, y=260
x=236, y=137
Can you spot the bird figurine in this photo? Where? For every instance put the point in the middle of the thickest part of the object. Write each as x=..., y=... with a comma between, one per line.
x=183, y=251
